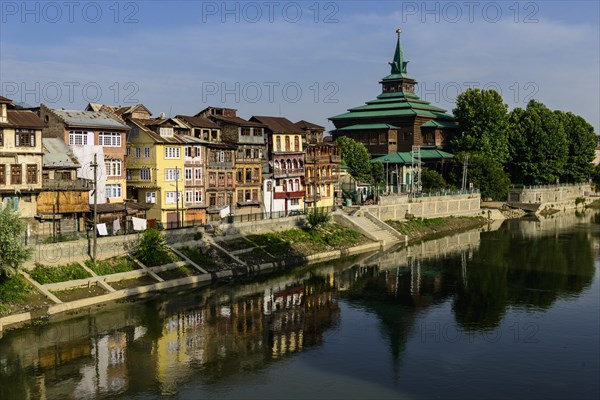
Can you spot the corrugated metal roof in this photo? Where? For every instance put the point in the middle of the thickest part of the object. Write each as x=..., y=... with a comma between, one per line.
x=5, y=100
x=24, y=119
x=92, y=119
x=57, y=154
x=302, y=124
x=405, y=157
x=277, y=124
x=198, y=122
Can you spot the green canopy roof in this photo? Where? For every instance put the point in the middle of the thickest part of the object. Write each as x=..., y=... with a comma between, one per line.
x=440, y=124
x=367, y=127
x=405, y=157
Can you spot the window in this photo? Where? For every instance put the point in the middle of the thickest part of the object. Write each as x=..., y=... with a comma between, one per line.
x=113, y=191
x=128, y=174
x=128, y=151
x=211, y=179
x=172, y=152
x=287, y=143
x=151, y=197
x=258, y=131
x=245, y=131
x=138, y=152
x=278, y=141
x=24, y=138
x=189, y=196
x=254, y=195
x=187, y=151
x=170, y=197
x=221, y=179
x=240, y=175
x=146, y=152
x=145, y=174
x=269, y=186
x=198, y=196
x=230, y=179
x=296, y=143
x=295, y=202
x=32, y=173
x=113, y=167
x=15, y=174
x=172, y=174
x=198, y=174
x=188, y=174
x=1, y=138
x=165, y=132
x=2, y=174
x=109, y=139
x=78, y=138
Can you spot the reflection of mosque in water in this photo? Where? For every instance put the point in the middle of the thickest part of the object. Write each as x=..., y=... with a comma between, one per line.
x=136, y=347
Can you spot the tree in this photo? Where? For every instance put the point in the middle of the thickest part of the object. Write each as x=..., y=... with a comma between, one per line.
x=483, y=119
x=432, y=180
x=378, y=173
x=540, y=149
x=486, y=174
x=13, y=252
x=356, y=157
x=582, y=144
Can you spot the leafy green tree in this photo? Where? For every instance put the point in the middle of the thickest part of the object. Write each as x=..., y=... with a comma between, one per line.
x=13, y=252
x=483, y=119
x=378, y=173
x=596, y=176
x=486, y=174
x=582, y=144
x=357, y=158
x=432, y=180
x=539, y=147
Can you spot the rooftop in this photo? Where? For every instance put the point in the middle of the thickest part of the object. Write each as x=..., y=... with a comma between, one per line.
x=57, y=154
x=91, y=119
x=277, y=124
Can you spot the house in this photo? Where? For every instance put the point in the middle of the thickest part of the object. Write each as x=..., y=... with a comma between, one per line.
x=155, y=165
x=398, y=119
x=63, y=200
x=20, y=158
x=89, y=133
x=322, y=165
x=249, y=140
x=284, y=189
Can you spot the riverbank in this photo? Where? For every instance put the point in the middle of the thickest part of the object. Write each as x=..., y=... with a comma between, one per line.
x=205, y=261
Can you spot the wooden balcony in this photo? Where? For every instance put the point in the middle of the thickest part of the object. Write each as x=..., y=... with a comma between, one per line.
x=290, y=195
x=78, y=184
x=288, y=173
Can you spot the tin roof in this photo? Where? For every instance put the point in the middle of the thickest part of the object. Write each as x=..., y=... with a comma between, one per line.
x=57, y=154
x=277, y=124
x=302, y=124
x=197, y=122
x=91, y=119
x=24, y=119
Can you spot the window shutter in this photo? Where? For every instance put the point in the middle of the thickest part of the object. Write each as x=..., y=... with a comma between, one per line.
x=17, y=139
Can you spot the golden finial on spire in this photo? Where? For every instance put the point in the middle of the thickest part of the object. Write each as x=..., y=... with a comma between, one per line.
x=398, y=31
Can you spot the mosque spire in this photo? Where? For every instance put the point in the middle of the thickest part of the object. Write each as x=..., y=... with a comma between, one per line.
x=398, y=64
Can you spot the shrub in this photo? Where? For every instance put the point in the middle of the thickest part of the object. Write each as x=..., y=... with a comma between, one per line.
x=317, y=217
x=579, y=200
x=153, y=248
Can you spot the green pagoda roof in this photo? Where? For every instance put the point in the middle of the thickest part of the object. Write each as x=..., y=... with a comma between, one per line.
x=405, y=157
x=440, y=124
x=367, y=127
x=398, y=64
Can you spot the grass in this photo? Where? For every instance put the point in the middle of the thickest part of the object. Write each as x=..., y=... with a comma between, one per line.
x=163, y=259
x=201, y=260
x=14, y=290
x=112, y=265
x=62, y=273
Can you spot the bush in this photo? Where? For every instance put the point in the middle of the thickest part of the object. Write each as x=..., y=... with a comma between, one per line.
x=432, y=180
x=579, y=200
x=317, y=217
x=153, y=249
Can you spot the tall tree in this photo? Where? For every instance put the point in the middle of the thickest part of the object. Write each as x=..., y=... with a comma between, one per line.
x=486, y=174
x=13, y=252
x=540, y=151
x=357, y=158
x=378, y=173
x=582, y=144
x=483, y=119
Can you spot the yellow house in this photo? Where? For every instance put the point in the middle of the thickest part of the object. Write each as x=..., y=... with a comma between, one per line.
x=20, y=159
x=155, y=165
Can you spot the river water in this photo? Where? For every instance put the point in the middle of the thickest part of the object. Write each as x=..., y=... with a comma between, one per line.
x=506, y=312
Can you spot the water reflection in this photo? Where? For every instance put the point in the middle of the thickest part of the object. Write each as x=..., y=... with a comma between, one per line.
x=209, y=336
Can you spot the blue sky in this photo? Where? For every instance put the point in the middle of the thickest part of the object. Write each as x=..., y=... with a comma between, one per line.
x=300, y=59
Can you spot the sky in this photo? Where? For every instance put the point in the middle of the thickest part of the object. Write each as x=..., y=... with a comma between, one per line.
x=300, y=59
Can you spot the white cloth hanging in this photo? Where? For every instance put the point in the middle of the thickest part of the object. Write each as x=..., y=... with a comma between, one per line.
x=139, y=224
x=102, y=231
x=116, y=226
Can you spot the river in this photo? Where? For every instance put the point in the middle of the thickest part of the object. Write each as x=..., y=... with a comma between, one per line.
x=510, y=311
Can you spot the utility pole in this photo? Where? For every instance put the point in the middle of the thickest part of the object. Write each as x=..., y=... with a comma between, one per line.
x=315, y=178
x=95, y=235
x=177, y=194
x=464, y=175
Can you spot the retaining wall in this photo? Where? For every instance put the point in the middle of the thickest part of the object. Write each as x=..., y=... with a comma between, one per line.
x=397, y=207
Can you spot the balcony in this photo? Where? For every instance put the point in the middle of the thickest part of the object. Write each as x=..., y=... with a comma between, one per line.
x=222, y=165
x=244, y=139
x=67, y=184
x=323, y=179
x=287, y=173
x=290, y=195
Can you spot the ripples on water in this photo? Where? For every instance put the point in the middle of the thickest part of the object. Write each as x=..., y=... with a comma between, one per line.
x=510, y=313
